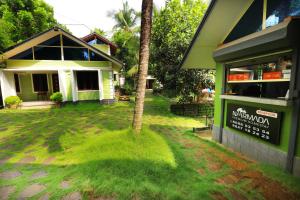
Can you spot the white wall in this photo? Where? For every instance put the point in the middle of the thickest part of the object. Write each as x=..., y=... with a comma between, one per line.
x=7, y=84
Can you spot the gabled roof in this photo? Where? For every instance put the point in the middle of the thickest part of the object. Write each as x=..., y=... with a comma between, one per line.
x=41, y=37
x=92, y=36
x=220, y=18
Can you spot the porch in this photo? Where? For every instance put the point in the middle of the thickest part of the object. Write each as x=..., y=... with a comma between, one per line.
x=37, y=104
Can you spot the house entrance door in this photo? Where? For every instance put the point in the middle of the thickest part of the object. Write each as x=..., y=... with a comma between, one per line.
x=55, y=83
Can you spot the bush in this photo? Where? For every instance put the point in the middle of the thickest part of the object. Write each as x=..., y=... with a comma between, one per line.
x=157, y=88
x=127, y=89
x=12, y=101
x=56, y=97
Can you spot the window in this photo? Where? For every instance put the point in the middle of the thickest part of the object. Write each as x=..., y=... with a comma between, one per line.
x=251, y=22
x=47, y=53
x=70, y=43
x=277, y=10
x=55, y=41
x=40, y=82
x=87, y=80
x=76, y=54
x=267, y=79
x=17, y=83
x=25, y=55
x=115, y=77
x=96, y=57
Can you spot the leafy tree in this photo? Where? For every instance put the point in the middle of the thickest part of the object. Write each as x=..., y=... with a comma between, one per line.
x=146, y=24
x=173, y=29
x=21, y=19
x=99, y=31
x=125, y=18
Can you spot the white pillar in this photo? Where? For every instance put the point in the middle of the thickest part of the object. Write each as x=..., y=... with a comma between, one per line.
x=111, y=85
x=8, y=87
x=62, y=84
x=100, y=85
x=74, y=86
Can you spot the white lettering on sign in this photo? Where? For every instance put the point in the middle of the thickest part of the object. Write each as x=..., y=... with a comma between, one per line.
x=266, y=113
x=243, y=114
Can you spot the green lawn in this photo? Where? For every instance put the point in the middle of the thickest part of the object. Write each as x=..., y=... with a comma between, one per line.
x=92, y=147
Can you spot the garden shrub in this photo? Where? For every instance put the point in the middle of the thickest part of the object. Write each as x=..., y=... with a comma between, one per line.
x=12, y=101
x=56, y=97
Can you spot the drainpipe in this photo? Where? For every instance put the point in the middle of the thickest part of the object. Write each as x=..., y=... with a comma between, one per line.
x=223, y=90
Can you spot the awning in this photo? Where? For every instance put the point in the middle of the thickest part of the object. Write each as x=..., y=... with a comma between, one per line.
x=218, y=21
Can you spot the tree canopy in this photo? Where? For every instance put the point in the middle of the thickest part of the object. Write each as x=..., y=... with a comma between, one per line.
x=21, y=19
x=173, y=29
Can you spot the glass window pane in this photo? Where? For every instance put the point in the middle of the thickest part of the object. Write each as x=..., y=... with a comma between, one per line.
x=76, y=54
x=25, y=55
x=55, y=41
x=40, y=83
x=251, y=22
x=47, y=53
x=96, y=57
x=87, y=80
x=69, y=42
x=278, y=10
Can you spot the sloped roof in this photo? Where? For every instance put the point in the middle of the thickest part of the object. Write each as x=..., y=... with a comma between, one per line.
x=92, y=36
x=220, y=18
x=43, y=36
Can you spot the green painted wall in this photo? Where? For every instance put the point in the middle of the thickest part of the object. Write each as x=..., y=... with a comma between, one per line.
x=26, y=86
x=88, y=95
x=286, y=119
x=106, y=84
x=68, y=84
x=102, y=47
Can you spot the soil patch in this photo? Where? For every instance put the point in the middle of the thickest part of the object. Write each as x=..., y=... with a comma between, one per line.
x=44, y=197
x=236, y=195
x=218, y=196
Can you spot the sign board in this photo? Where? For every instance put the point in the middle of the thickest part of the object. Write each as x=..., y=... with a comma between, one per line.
x=254, y=121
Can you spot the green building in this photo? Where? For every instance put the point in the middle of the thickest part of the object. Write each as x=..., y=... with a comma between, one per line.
x=254, y=45
x=57, y=61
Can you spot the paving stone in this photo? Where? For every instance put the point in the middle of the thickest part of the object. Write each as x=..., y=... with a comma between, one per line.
x=6, y=191
x=38, y=175
x=4, y=161
x=10, y=174
x=65, y=184
x=44, y=197
x=3, y=128
x=27, y=160
x=48, y=160
x=72, y=196
x=31, y=191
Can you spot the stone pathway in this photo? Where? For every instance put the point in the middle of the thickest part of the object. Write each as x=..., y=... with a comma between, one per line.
x=31, y=191
x=45, y=197
x=27, y=160
x=65, y=184
x=38, y=175
x=48, y=160
x=72, y=196
x=6, y=191
x=10, y=175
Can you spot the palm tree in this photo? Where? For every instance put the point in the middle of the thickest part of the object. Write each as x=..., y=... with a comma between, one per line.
x=126, y=18
x=146, y=23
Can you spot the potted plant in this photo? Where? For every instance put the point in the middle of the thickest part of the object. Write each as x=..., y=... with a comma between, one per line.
x=13, y=102
x=57, y=98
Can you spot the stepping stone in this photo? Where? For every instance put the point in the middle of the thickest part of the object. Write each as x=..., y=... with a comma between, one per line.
x=3, y=161
x=27, y=160
x=72, y=196
x=48, y=160
x=10, y=175
x=30, y=151
x=31, y=191
x=64, y=184
x=44, y=197
x=38, y=175
x=3, y=129
x=6, y=191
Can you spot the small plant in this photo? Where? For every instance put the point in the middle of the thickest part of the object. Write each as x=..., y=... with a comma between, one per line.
x=56, y=97
x=12, y=101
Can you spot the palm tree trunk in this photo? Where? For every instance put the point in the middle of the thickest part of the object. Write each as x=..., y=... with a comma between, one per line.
x=146, y=23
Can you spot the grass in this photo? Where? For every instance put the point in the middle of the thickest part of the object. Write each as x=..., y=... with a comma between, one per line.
x=96, y=151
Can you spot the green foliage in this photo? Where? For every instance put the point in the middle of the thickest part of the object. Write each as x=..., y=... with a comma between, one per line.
x=173, y=29
x=12, y=101
x=127, y=89
x=57, y=97
x=99, y=31
x=20, y=20
x=157, y=88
